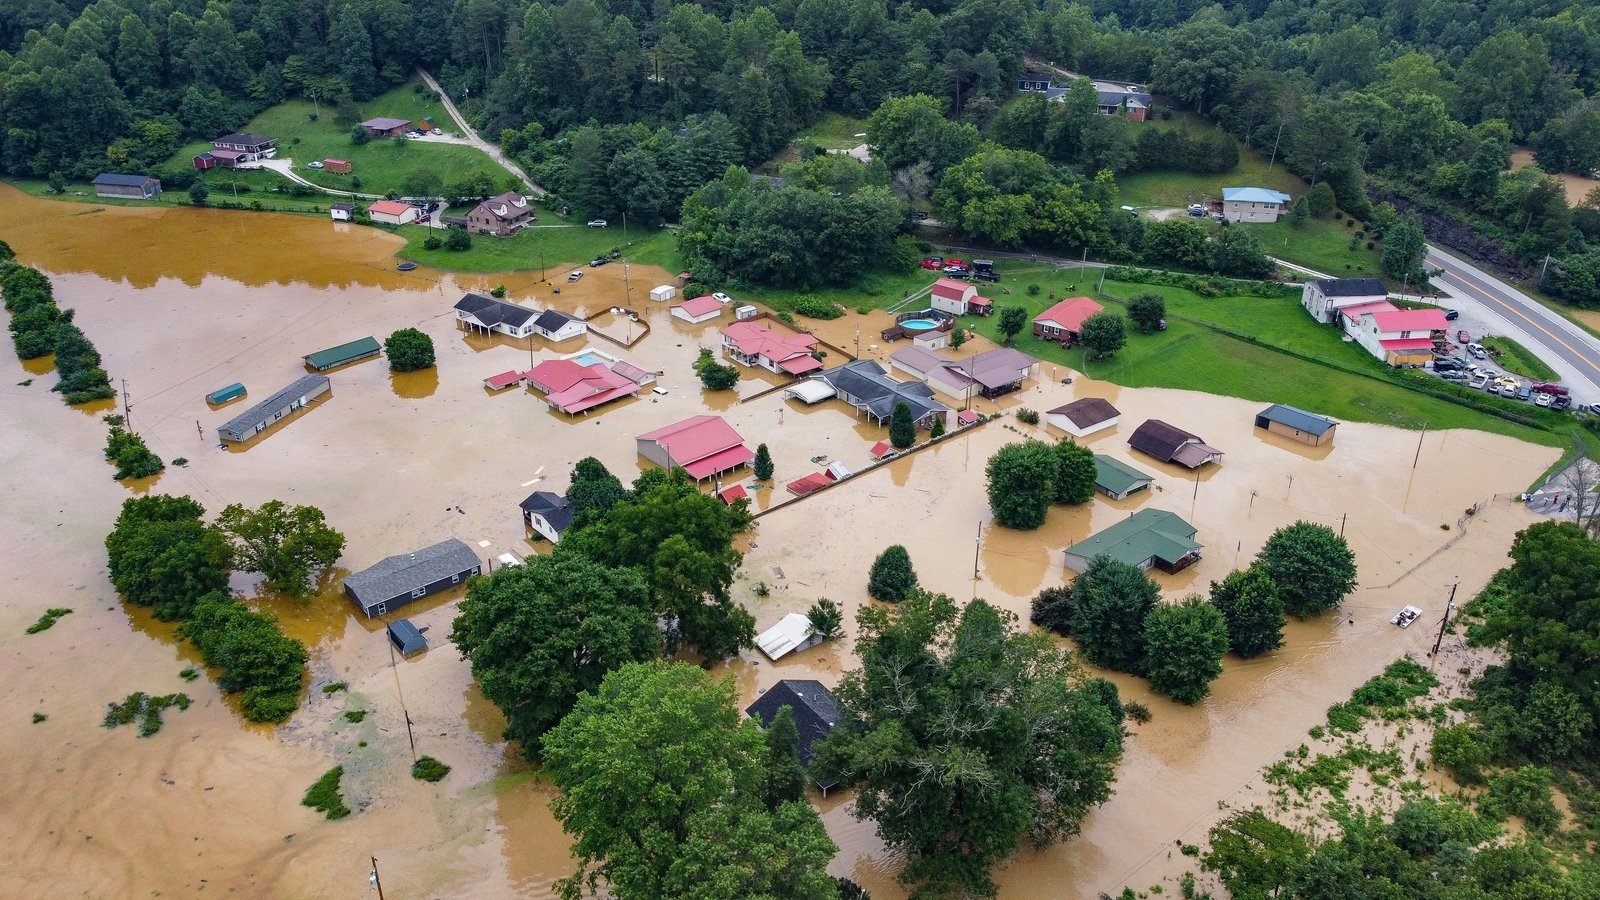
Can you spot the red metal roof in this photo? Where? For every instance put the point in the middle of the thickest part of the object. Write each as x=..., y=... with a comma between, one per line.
x=883, y=450
x=729, y=495
x=1410, y=320
x=1407, y=344
x=697, y=438
x=979, y=301
x=1353, y=313
x=503, y=380
x=760, y=340
x=388, y=207
x=601, y=385
x=966, y=417
x=799, y=365
x=803, y=486
x=1070, y=313
x=699, y=306
x=556, y=375
x=719, y=462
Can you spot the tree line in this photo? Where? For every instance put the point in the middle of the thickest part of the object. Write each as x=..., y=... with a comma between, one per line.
x=41, y=328
x=162, y=554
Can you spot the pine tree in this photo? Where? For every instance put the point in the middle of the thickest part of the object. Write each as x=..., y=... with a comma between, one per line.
x=786, y=778
x=902, y=428
x=763, y=463
x=892, y=577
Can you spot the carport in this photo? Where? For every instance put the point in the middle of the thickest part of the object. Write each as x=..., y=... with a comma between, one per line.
x=810, y=391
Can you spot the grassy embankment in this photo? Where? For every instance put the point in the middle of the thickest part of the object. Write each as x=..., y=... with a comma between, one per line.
x=560, y=245
x=1514, y=357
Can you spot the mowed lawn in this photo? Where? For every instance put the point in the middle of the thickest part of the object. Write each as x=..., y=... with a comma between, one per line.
x=1191, y=356
x=381, y=165
x=553, y=242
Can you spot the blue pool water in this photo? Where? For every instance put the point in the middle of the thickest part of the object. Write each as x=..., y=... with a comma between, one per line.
x=588, y=359
x=919, y=324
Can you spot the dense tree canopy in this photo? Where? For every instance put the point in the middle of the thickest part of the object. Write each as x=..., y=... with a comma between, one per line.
x=540, y=634
x=408, y=350
x=1184, y=645
x=1022, y=483
x=892, y=578
x=1075, y=472
x=288, y=545
x=1312, y=567
x=1249, y=602
x=162, y=554
x=1110, y=602
x=996, y=736
x=664, y=786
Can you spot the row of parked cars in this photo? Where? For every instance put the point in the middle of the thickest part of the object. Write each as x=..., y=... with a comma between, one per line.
x=1482, y=377
x=981, y=269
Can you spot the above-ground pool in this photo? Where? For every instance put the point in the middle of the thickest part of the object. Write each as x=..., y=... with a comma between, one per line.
x=919, y=324
x=589, y=359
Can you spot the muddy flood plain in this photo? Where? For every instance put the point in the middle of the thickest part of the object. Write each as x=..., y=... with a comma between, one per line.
x=182, y=302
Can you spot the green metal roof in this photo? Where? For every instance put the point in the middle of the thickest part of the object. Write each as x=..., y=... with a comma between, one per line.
x=333, y=356
x=1115, y=477
x=1147, y=534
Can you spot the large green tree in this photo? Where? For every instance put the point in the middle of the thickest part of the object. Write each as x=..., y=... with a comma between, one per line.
x=1075, y=472
x=1110, y=601
x=408, y=350
x=288, y=545
x=902, y=428
x=593, y=490
x=163, y=555
x=1184, y=646
x=1403, y=249
x=1022, y=483
x=681, y=539
x=1147, y=310
x=892, y=578
x=1012, y=320
x=967, y=737
x=1201, y=62
x=540, y=634
x=1312, y=567
x=1249, y=601
x=1103, y=334
x=664, y=791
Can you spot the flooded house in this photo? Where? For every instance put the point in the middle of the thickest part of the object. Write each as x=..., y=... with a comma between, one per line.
x=792, y=633
x=257, y=418
x=397, y=580
x=813, y=706
x=555, y=325
x=1297, y=424
x=1150, y=538
x=750, y=344
x=546, y=513
x=1116, y=479
x=864, y=384
x=700, y=309
x=130, y=187
x=704, y=446
x=1084, y=417
x=475, y=312
x=1172, y=444
x=573, y=388
x=344, y=354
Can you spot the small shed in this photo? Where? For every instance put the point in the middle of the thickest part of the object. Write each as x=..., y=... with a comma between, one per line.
x=746, y=312
x=223, y=395
x=793, y=632
x=336, y=166
x=700, y=309
x=386, y=126
x=341, y=212
x=392, y=212
x=932, y=339
x=732, y=495
x=883, y=450
x=1081, y=418
x=1297, y=424
x=503, y=380
x=1117, y=479
x=397, y=580
x=407, y=638
x=663, y=293
x=134, y=187
x=354, y=351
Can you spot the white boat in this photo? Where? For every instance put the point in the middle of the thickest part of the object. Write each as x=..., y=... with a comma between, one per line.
x=1406, y=616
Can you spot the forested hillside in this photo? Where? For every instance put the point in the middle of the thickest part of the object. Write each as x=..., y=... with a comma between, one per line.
x=631, y=106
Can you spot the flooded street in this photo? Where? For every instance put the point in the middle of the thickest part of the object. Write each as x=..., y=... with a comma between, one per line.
x=181, y=302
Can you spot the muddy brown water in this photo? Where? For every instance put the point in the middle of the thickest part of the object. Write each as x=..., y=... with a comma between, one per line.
x=1577, y=186
x=181, y=302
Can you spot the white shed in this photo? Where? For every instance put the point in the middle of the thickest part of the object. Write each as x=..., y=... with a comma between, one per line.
x=663, y=292
x=812, y=390
x=793, y=632
x=746, y=312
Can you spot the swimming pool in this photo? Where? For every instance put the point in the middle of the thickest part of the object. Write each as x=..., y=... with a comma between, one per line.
x=589, y=359
x=919, y=324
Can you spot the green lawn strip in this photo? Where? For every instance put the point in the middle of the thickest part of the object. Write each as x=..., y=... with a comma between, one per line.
x=1514, y=357
x=1169, y=189
x=561, y=245
x=1321, y=244
x=835, y=132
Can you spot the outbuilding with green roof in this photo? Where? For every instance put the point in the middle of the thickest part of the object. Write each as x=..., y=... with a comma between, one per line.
x=333, y=357
x=1117, y=479
x=1149, y=537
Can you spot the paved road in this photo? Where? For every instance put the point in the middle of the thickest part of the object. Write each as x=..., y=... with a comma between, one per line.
x=1568, y=349
x=476, y=140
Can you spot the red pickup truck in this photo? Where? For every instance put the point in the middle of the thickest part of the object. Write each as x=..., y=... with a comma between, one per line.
x=1545, y=387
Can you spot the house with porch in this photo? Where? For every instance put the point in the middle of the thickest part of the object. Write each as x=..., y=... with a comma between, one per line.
x=500, y=216
x=1253, y=204
x=1063, y=321
x=753, y=344
x=1150, y=538
x=399, y=580
x=1399, y=337
x=231, y=150
x=1112, y=98
x=555, y=325
x=989, y=374
x=573, y=388
x=866, y=385
x=704, y=446
x=958, y=298
x=547, y=514
x=1172, y=444
x=1325, y=297
x=475, y=312
x=386, y=127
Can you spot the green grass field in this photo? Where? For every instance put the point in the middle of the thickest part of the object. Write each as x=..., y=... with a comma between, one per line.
x=555, y=242
x=1165, y=189
x=1192, y=355
x=1321, y=244
x=1519, y=359
x=381, y=165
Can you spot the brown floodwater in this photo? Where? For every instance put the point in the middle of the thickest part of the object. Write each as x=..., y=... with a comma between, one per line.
x=1577, y=186
x=182, y=301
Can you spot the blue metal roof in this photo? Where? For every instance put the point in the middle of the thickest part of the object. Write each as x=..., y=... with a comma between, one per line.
x=1296, y=418
x=1254, y=195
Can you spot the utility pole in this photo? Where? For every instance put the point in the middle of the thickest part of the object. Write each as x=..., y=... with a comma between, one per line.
x=1342, y=518
x=977, y=545
x=1275, y=140
x=1448, y=606
x=374, y=880
x=127, y=408
x=409, y=735
x=1196, y=498
x=1418, y=457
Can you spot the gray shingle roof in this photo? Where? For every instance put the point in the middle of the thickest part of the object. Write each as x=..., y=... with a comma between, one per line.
x=246, y=421
x=400, y=575
x=552, y=506
x=1086, y=412
x=113, y=178
x=493, y=312
x=551, y=320
x=1352, y=287
x=871, y=387
x=1295, y=418
x=815, y=711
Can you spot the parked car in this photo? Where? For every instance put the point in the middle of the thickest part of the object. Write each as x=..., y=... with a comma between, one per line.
x=314, y=164
x=720, y=297
x=574, y=276
x=1550, y=387
x=1560, y=402
x=413, y=134
x=918, y=215
x=1197, y=210
x=1447, y=364
x=1462, y=337
x=598, y=261
x=932, y=262
x=1525, y=393
x=1479, y=381
x=436, y=132
x=1450, y=315
x=955, y=271
x=1542, y=399
x=989, y=275
x=1453, y=375
x=596, y=223
x=1478, y=351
